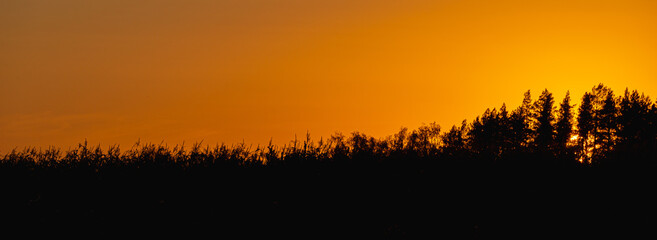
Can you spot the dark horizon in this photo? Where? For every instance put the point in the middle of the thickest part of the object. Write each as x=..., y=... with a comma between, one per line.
x=507, y=173
x=602, y=119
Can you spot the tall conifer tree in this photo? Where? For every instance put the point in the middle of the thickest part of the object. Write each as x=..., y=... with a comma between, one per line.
x=564, y=126
x=543, y=128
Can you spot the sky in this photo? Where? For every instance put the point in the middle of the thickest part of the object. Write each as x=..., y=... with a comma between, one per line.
x=233, y=71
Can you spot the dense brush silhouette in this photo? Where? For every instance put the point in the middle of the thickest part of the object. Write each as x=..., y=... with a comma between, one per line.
x=539, y=170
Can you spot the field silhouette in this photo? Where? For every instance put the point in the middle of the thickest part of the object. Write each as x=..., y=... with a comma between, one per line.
x=541, y=170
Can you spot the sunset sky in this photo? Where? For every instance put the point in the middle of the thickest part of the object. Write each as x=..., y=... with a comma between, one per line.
x=114, y=71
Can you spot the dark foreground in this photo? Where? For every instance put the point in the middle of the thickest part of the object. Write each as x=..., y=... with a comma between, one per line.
x=410, y=201
x=528, y=173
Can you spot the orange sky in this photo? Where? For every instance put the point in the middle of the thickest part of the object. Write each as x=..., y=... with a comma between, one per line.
x=114, y=71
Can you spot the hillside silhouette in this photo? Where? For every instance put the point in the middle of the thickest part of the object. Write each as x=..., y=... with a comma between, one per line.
x=544, y=169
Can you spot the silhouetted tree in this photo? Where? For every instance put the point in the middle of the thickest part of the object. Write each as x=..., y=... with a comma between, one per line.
x=505, y=130
x=598, y=123
x=634, y=117
x=520, y=125
x=585, y=127
x=544, y=130
x=606, y=126
x=425, y=140
x=634, y=130
x=564, y=129
x=340, y=149
x=455, y=141
x=362, y=147
x=399, y=140
x=480, y=134
x=487, y=134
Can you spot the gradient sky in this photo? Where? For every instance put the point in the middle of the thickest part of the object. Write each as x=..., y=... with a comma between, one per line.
x=114, y=71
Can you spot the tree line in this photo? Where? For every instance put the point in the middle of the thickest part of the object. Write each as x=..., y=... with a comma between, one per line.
x=602, y=129
x=540, y=169
x=606, y=129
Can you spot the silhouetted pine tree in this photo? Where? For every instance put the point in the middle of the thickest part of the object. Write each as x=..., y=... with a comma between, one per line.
x=505, y=131
x=634, y=135
x=455, y=142
x=564, y=130
x=484, y=136
x=606, y=125
x=633, y=117
x=585, y=128
x=519, y=123
x=598, y=132
x=543, y=129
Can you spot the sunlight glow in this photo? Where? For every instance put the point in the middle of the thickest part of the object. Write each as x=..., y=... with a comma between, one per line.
x=253, y=71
